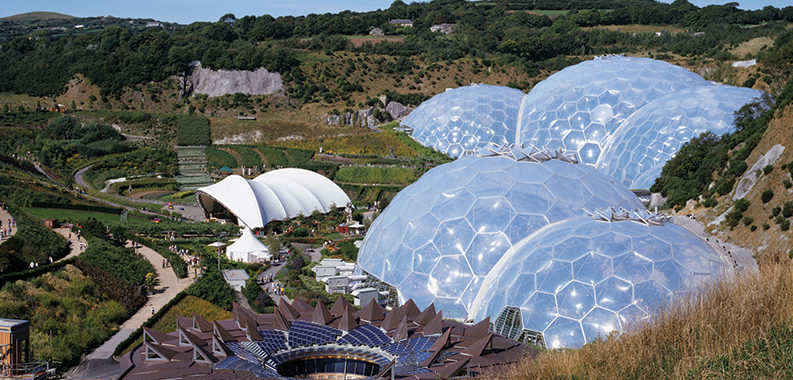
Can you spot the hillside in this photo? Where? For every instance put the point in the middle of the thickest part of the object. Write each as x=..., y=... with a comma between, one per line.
x=36, y=16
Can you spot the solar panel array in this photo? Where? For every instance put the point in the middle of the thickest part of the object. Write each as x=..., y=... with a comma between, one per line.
x=307, y=334
x=360, y=352
x=241, y=352
x=234, y=363
x=410, y=346
x=414, y=357
x=272, y=340
x=409, y=370
x=366, y=335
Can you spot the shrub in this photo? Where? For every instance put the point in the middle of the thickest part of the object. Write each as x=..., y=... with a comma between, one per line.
x=787, y=211
x=767, y=195
x=785, y=225
x=211, y=287
x=257, y=298
x=753, y=228
x=710, y=202
x=766, y=226
x=768, y=169
x=787, y=184
x=747, y=220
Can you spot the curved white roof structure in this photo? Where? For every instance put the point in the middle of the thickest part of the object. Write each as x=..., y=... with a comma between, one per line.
x=248, y=248
x=276, y=195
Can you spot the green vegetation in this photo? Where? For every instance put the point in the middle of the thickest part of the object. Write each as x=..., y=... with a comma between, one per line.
x=144, y=161
x=257, y=298
x=177, y=264
x=249, y=158
x=767, y=195
x=193, y=131
x=211, y=287
x=33, y=242
x=375, y=175
x=64, y=215
x=767, y=357
x=111, y=256
x=735, y=216
x=68, y=313
x=217, y=158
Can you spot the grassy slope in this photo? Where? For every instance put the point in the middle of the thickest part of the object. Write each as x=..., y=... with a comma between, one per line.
x=690, y=337
x=36, y=16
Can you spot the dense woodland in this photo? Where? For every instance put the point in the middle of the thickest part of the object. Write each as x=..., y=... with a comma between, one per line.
x=118, y=56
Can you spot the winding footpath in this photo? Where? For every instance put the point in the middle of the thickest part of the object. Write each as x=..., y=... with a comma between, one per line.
x=74, y=247
x=100, y=362
x=167, y=288
x=4, y=217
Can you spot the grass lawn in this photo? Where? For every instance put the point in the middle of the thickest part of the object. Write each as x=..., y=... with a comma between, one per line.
x=79, y=215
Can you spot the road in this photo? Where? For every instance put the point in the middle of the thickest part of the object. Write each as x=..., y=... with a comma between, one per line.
x=167, y=288
x=190, y=212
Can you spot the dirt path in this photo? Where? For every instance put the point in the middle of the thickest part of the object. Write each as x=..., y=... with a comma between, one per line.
x=167, y=288
x=4, y=217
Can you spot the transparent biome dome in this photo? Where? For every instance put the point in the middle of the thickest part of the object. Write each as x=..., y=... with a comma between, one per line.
x=640, y=147
x=440, y=236
x=578, y=108
x=465, y=119
x=580, y=278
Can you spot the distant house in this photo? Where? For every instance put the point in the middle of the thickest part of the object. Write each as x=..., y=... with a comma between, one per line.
x=79, y=26
x=401, y=23
x=376, y=32
x=442, y=28
x=699, y=34
x=153, y=24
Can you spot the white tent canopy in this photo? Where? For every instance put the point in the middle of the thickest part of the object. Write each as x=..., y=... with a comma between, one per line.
x=248, y=249
x=276, y=195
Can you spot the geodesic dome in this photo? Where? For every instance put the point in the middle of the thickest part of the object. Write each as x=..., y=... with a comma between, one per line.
x=466, y=119
x=579, y=107
x=439, y=237
x=645, y=141
x=575, y=280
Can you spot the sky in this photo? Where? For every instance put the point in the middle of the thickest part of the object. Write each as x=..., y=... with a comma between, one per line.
x=187, y=11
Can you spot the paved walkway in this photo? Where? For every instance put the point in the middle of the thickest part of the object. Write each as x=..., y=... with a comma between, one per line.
x=167, y=288
x=4, y=217
x=741, y=259
x=74, y=249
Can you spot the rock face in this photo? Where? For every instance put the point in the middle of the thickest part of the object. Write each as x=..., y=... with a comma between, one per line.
x=221, y=82
x=360, y=118
x=748, y=180
x=396, y=110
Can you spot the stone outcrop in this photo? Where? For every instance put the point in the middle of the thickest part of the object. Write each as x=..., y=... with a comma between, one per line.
x=748, y=180
x=360, y=118
x=221, y=82
x=396, y=110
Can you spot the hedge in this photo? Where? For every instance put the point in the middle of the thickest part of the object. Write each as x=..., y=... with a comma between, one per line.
x=128, y=295
x=71, y=206
x=177, y=264
x=35, y=272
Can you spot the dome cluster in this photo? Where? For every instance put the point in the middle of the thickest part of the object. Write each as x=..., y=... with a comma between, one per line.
x=586, y=109
x=467, y=118
x=587, y=277
x=440, y=237
x=505, y=232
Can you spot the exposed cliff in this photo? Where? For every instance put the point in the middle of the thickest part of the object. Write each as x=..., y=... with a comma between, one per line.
x=220, y=82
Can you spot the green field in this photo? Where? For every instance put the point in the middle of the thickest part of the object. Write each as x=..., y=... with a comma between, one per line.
x=79, y=215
